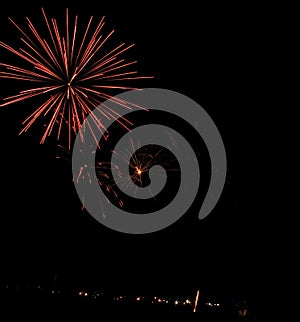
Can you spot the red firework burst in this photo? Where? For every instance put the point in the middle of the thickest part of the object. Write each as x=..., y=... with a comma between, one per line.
x=71, y=71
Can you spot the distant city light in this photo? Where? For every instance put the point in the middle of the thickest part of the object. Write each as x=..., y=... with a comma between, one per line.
x=186, y=302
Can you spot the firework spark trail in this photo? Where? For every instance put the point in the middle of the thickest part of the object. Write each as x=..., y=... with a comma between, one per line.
x=71, y=77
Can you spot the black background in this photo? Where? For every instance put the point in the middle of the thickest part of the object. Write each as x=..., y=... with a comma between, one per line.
x=215, y=55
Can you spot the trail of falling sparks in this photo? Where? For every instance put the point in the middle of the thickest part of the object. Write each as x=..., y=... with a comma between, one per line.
x=72, y=73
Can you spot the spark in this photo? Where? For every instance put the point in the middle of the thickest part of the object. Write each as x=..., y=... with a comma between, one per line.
x=139, y=171
x=72, y=70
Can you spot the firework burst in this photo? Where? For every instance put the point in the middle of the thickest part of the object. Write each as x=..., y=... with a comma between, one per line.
x=72, y=71
x=139, y=165
x=111, y=175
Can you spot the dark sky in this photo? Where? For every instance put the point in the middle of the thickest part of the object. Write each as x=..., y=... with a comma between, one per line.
x=216, y=56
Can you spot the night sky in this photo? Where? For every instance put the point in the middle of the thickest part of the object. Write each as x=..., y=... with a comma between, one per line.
x=216, y=57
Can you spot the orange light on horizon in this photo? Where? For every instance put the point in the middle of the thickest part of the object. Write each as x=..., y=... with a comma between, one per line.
x=196, y=301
